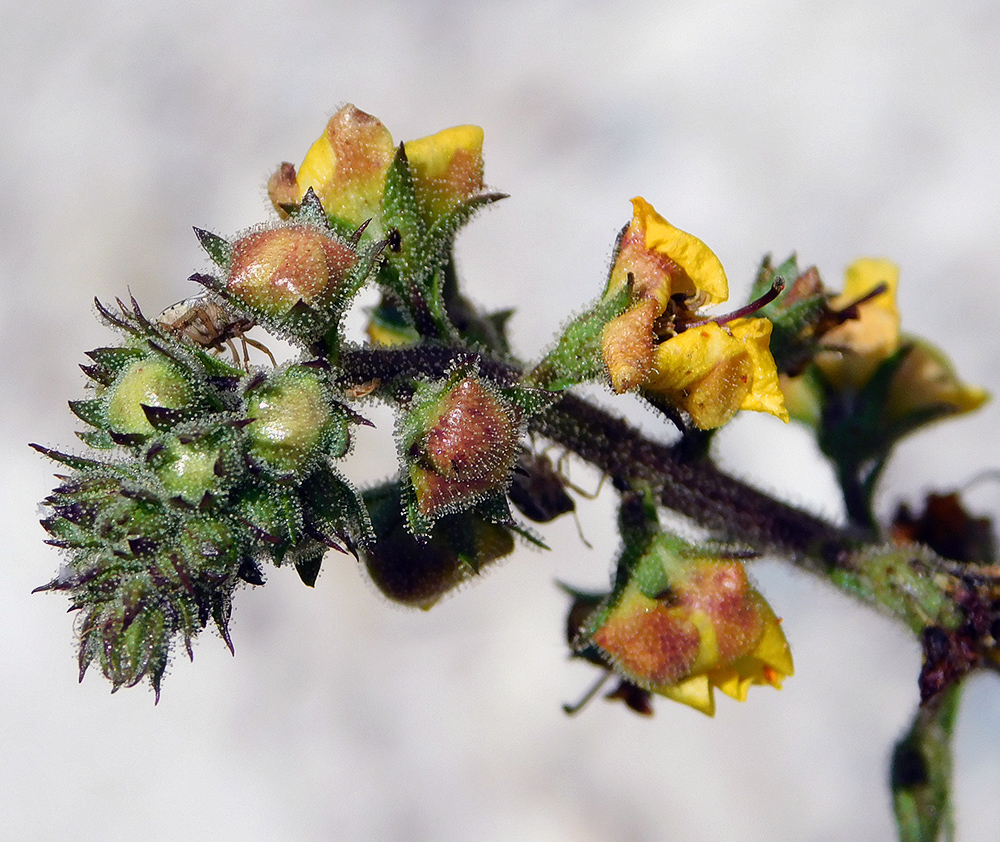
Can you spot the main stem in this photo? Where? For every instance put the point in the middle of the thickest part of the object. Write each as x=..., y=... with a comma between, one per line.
x=695, y=488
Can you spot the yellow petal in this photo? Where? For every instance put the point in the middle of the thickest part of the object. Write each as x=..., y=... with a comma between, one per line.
x=687, y=251
x=347, y=165
x=432, y=156
x=765, y=395
x=710, y=372
x=926, y=382
x=447, y=168
x=859, y=346
x=695, y=692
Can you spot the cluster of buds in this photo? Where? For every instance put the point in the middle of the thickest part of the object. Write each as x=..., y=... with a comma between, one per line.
x=213, y=469
x=213, y=472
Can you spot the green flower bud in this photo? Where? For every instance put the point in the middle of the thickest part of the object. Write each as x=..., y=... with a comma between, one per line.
x=295, y=422
x=152, y=381
x=191, y=465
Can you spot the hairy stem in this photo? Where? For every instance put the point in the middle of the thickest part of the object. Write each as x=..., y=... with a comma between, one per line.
x=695, y=488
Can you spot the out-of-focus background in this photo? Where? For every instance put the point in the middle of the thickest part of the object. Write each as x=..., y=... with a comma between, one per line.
x=835, y=129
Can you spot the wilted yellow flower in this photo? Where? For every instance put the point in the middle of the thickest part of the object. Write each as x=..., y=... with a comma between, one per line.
x=660, y=343
x=346, y=167
x=683, y=625
x=857, y=347
x=447, y=169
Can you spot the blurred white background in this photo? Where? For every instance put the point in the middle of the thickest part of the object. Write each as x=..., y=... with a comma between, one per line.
x=835, y=129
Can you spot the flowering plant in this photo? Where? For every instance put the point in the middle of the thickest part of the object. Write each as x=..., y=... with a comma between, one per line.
x=203, y=471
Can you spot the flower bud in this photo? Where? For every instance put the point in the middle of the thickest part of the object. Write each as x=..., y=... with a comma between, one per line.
x=418, y=573
x=191, y=465
x=685, y=622
x=925, y=387
x=346, y=167
x=461, y=444
x=294, y=422
x=151, y=381
x=275, y=269
x=447, y=169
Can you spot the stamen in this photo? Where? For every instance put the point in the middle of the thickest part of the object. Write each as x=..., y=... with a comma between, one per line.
x=748, y=310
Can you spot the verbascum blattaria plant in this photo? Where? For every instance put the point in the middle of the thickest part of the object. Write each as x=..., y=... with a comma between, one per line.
x=202, y=470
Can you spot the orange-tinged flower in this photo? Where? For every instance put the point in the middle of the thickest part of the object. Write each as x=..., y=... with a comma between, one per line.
x=858, y=346
x=685, y=624
x=708, y=369
x=274, y=269
x=447, y=169
x=346, y=167
x=462, y=446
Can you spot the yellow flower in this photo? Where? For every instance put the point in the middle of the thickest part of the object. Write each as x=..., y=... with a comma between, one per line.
x=660, y=343
x=346, y=167
x=857, y=347
x=711, y=371
x=925, y=387
x=684, y=625
x=447, y=169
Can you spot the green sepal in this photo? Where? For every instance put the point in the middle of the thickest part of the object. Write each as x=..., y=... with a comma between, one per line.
x=308, y=566
x=440, y=236
x=274, y=516
x=400, y=212
x=800, y=314
x=98, y=439
x=577, y=356
x=334, y=511
x=77, y=463
x=91, y=412
x=110, y=362
x=218, y=249
x=530, y=401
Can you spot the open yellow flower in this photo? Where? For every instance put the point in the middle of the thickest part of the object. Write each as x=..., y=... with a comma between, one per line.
x=684, y=625
x=660, y=343
x=923, y=385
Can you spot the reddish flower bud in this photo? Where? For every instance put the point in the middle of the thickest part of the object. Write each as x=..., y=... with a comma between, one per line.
x=274, y=269
x=462, y=445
